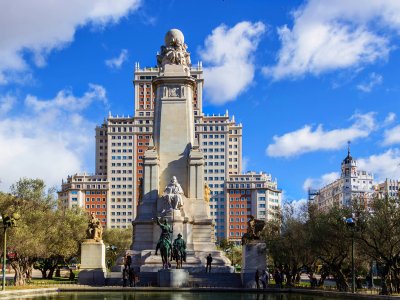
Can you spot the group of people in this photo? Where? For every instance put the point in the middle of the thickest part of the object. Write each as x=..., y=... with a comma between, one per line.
x=279, y=277
x=263, y=277
x=128, y=273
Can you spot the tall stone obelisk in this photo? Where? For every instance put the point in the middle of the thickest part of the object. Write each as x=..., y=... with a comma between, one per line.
x=173, y=153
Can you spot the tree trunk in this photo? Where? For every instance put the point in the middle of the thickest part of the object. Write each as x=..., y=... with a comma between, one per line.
x=44, y=273
x=19, y=277
x=322, y=279
x=385, y=281
x=51, y=272
x=396, y=280
x=22, y=267
x=29, y=273
x=385, y=289
x=341, y=282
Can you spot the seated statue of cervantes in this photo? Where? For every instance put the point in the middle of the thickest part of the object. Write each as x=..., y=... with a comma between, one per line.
x=173, y=194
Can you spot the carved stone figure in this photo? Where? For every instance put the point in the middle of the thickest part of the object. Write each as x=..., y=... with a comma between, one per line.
x=254, y=229
x=173, y=194
x=174, y=51
x=95, y=229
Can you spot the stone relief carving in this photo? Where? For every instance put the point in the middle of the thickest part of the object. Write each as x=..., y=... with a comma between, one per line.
x=174, y=92
x=174, y=51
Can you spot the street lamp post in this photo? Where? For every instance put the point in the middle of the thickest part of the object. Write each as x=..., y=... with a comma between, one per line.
x=8, y=221
x=351, y=223
x=4, y=258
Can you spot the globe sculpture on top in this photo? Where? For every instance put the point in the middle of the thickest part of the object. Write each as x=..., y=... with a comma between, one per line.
x=174, y=51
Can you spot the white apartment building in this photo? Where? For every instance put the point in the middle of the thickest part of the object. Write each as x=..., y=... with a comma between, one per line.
x=353, y=185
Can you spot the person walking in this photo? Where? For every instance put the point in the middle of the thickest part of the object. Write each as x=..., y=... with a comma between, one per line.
x=125, y=275
x=257, y=278
x=264, y=279
x=209, y=261
x=132, y=282
x=278, y=278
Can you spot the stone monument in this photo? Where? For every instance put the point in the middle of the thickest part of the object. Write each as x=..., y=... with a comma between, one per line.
x=254, y=252
x=173, y=186
x=93, y=255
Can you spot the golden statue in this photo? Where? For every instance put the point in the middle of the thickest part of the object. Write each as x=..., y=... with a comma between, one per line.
x=207, y=193
x=95, y=229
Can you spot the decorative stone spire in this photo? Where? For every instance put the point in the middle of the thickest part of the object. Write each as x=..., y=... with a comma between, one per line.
x=348, y=159
x=348, y=148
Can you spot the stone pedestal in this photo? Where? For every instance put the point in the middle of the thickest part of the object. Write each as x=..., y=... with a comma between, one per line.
x=173, y=278
x=195, y=261
x=254, y=257
x=93, y=263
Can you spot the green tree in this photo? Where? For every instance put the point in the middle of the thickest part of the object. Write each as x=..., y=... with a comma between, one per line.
x=287, y=243
x=233, y=251
x=118, y=238
x=379, y=238
x=65, y=230
x=43, y=232
x=330, y=241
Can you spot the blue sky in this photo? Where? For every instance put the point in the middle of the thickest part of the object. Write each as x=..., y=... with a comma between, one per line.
x=303, y=77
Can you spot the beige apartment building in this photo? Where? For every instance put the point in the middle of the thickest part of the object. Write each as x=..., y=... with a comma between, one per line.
x=252, y=193
x=389, y=188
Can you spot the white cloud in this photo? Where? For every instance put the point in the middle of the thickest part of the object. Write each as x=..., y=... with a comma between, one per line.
x=296, y=208
x=317, y=183
x=43, y=25
x=65, y=100
x=49, y=139
x=230, y=51
x=390, y=118
x=6, y=103
x=307, y=139
x=330, y=35
x=392, y=136
x=384, y=165
x=373, y=80
x=245, y=163
x=116, y=62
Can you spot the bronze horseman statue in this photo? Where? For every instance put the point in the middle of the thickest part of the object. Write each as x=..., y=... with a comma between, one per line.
x=164, y=243
x=254, y=229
